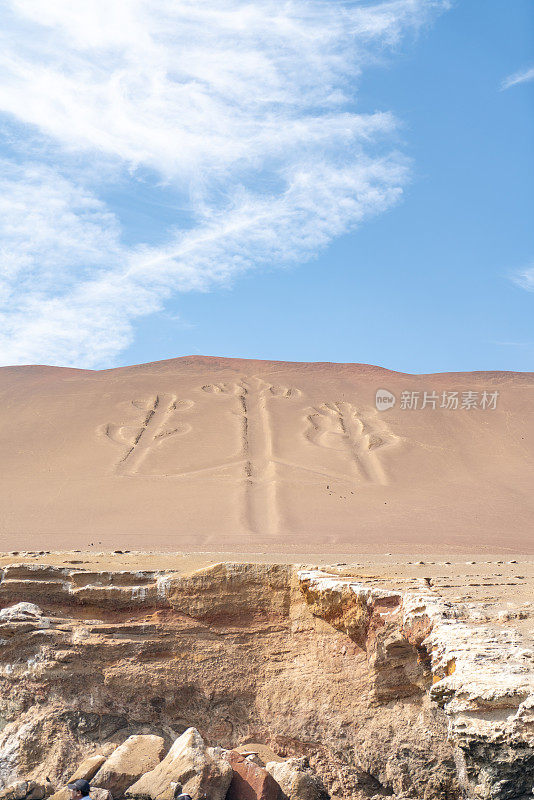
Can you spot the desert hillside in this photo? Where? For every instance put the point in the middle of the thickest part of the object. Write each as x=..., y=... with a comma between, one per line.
x=213, y=454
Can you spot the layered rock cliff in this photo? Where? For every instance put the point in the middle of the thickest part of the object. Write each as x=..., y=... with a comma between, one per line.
x=386, y=692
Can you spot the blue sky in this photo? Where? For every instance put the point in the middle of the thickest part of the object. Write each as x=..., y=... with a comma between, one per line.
x=316, y=181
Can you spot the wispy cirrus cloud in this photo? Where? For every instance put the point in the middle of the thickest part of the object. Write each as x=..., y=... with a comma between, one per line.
x=243, y=111
x=525, y=278
x=522, y=76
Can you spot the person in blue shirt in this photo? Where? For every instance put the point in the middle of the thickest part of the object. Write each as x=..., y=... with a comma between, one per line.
x=79, y=789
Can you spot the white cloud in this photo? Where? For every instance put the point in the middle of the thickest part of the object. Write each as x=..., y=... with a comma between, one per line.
x=514, y=344
x=525, y=278
x=245, y=109
x=523, y=76
x=90, y=321
x=46, y=224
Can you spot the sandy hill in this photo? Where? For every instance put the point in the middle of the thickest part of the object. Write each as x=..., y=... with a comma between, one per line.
x=210, y=454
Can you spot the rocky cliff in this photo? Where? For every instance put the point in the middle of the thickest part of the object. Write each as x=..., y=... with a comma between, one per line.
x=386, y=692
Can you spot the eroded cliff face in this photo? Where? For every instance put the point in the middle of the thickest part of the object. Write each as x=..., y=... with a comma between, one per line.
x=387, y=692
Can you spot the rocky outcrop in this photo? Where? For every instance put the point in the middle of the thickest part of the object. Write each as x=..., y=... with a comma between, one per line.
x=250, y=781
x=297, y=781
x=100, y=794
x=137, y=755
x=189, y=768
x=482, y=677
x=383, y=691
x=27, y=790
x=85, y=771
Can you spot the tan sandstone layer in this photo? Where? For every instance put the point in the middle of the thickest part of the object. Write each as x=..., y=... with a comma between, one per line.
x=387, y=681
x=213, y=454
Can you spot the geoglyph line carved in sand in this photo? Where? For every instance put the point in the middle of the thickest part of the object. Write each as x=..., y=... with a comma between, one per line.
x=337, y=426
x=340, y=426
x=259, y=465
x=255, y=454
x=158, y=424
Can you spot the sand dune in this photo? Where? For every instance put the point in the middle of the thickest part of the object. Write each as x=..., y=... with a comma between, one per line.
x=209, y=454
